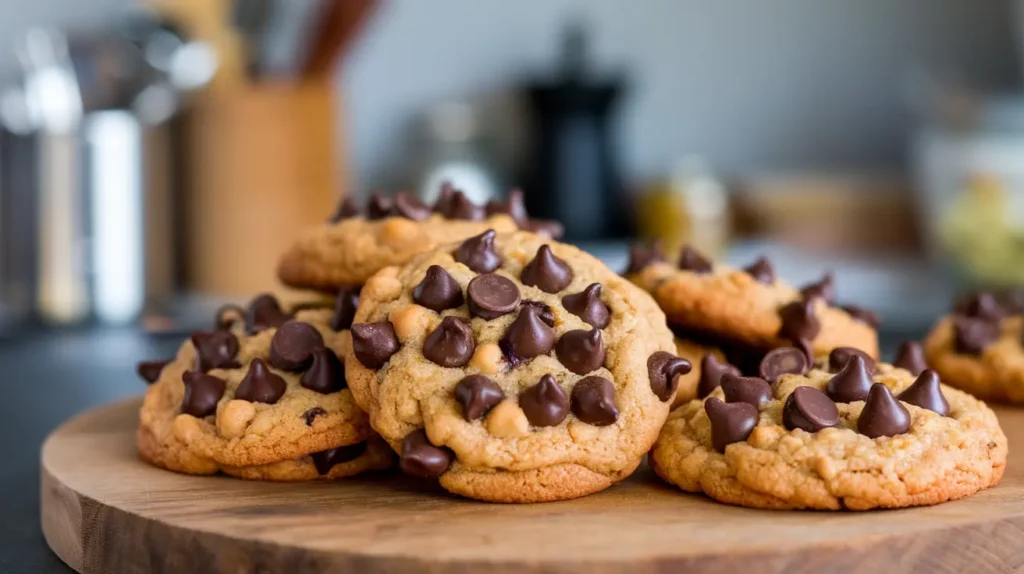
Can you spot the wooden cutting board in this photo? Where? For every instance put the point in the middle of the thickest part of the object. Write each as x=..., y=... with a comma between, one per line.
x=105, y=510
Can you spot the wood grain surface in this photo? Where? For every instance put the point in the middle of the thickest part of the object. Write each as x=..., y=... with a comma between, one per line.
x=105, y=510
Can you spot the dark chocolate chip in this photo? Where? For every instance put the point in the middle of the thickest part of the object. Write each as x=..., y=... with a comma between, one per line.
x=711, y=371
x=823, y=289
x=761, y=270
x=545, y=312
x=750, y=390
x=346, y=208
x=491, y=296
x=866, y=316
x=809, y=409
x=781, y=361
x=972, y=336
x=150, y=371
x=730, y=422
x=640, y=257
x=379, y=207
x=690, y=260
x=980, y=305
x=202, y=393
x=478, y=253
x=593, y=401
x=463, y=208
x=883, y=414
x=545, y=404
x=547, y=228
x=409, y=206
x=910, y=356
x=293, y=344
x=215, y=350
x=528, y=336
x=478, y=395
x=443, y=205
x=260, y=385
x=663, y=370
x=227, y=316
x=807, y=348
x=310, y=415
x=438, y=290
x=345, y=307
x=265, y=312
x=451, y=344
x=422, y=459
x=547, y=272
x=799, y=321
x=581, y=351
x=325, y=460
x=514, y=207
x=326, y=374
x=851, y=383
x=926, y=392
x=587, y=305
x=374, y=343
x=839, y=356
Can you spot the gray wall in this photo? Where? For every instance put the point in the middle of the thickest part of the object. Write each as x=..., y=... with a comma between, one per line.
x=753, y=84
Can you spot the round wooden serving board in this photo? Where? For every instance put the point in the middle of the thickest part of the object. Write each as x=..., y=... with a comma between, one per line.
x=106, y=510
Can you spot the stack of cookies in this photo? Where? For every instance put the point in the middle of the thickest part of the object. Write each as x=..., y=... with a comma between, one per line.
x=466, y=342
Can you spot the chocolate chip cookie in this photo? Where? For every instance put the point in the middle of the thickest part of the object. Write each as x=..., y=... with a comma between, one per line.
x=263, y=395
x=750, y=311
x=514, y=368
x=355, y=244
x=848, y=433
x=979, y=348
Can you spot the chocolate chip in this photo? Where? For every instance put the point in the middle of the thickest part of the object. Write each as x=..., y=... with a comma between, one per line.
x=150, y=371
x=663, y=370
x=227, y=316
x=293, y=344
x=326, y=374
x=781, y=361
x=451, y=344
x=325, y=460
x=730, y=422
x=545, y=403
x=374, y=343
x=379, y=207
x=215, y=350
x=691, y=260
x=809, y=409
x=547, y=228
x=345, y=307
x=587, y=305
x=422, y=459
x=581, y=351
x=478, y=395
x=202, y=393
x=866, y=316
x=514, y=207
x=1012, y=302
x=438, y=290
x=980, y=305
x=807, y=348
x=973, y=336
x=761, y=270
x=409, y=206
x=799, y=321
x=851, y=383
x=593, y=401
x=926, y=392
x=346, y=208
x=528, y=336
x=750, y=390
x=265, y=313
x=478, y=253
x=547, y=272
x=883, y=414
x=640, y=257
x=711, y=371
x=839, y=356
x=461, y=207
x=545, y=312
x=491, y=296
x=443, y=205
x=910, y=356
x=310, y=415
x=823, y=289
x=260, y=385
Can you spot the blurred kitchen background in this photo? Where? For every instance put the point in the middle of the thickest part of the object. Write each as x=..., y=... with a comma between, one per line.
x=157, y=156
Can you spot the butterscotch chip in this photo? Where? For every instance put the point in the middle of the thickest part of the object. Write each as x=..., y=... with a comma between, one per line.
x=410, y=320
x=234, y=418
x=507, y=420
x=487, y=359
